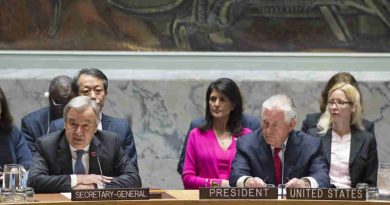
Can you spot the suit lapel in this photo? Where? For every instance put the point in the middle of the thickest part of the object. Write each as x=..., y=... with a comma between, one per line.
x=94, y=152
x=356, y=144
x=64, y=157
x=327, y=144
x=291, y=155
x=265, y=158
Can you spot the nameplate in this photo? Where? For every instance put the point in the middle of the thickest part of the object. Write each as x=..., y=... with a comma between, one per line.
x=110, y=194
x=326, y=194
x=238, y=193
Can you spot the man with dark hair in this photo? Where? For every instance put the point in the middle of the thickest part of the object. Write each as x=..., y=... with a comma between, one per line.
x=93, y=83
x=37, y=123
x=80, y=156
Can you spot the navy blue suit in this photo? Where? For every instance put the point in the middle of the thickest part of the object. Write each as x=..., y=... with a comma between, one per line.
x=311, y=121
x=248, y=121
x=119, y=126
x=34, y=125
x=304, y=157
x=14, y=149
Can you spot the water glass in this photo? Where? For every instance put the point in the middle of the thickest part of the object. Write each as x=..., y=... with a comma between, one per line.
x=12, y=177
x=20, y=196
x=373, y=193
x=29, y=191
x=7, y=196
x=384, y=179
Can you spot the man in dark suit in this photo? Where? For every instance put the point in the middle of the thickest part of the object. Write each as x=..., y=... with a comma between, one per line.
x=80, y=156
x=36, y=124
x=93, y=83
x=248, y=121
x=277, y=154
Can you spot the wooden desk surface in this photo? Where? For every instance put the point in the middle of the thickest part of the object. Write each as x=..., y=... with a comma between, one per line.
x=191, y=197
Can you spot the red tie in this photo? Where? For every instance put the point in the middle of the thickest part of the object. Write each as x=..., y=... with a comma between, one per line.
x=277, y=166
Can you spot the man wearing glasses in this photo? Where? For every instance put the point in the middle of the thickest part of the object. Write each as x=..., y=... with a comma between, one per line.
x=37, y=123
x=93, y=83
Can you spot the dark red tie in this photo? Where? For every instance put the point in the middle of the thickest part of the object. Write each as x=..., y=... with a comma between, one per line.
x=277, y=166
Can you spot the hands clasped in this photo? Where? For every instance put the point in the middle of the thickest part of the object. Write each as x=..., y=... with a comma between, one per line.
x=253, y=182
x=88, y=181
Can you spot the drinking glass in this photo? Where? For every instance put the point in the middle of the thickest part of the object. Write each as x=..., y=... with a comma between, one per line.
x=12, y=177
x=363, y=186
x=383, y=181
x=373, y=193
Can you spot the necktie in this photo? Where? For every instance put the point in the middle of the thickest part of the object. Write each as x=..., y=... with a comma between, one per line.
x=277, y=166
x=79, y=167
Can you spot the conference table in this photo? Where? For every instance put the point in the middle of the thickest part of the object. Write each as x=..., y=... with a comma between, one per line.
x=190, y=197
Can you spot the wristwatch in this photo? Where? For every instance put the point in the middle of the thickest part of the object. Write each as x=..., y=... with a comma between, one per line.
x=307, y=182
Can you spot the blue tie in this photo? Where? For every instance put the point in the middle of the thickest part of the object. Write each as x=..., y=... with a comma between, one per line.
x=79, y=167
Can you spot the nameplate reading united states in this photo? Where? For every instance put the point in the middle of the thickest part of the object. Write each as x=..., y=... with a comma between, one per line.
x=110, y=194
x=326, y=194
x=238, y=193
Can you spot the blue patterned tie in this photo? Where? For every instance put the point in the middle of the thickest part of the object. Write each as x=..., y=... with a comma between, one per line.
x=79, y=167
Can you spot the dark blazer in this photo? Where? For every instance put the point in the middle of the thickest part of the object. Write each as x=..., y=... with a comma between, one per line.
x=312, y=119
x=52, y=163
x=119, y=126
x=303, y=157
x=34, y=125
x=363, y=157
x=248, y=121
x=14, y=149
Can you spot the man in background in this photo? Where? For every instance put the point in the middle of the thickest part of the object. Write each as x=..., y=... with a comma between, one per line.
x=37, y=123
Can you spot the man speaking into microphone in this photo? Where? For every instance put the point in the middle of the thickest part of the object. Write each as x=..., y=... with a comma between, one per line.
x=80, y=156
x=277, y=154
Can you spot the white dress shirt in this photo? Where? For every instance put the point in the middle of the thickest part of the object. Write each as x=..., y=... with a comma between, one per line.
x=84, y=160
x=339, y=160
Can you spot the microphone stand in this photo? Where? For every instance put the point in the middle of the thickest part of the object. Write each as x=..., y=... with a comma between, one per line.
x=283, y=186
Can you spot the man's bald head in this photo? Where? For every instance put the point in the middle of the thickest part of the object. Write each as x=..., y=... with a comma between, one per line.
x=60, y=93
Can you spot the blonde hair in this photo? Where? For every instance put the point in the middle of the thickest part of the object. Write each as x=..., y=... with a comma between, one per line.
x=353, y=96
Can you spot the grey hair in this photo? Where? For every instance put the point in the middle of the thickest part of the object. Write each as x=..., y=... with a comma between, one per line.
x=82, y=103
x=281, y=102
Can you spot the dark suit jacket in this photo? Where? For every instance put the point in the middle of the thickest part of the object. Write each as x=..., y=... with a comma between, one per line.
x=363, y=157
x=303, y=157
x=119, y=126
x=34, y=125
x=14, y=149
x=248, y=121
x=52, y=163
x=311, y=121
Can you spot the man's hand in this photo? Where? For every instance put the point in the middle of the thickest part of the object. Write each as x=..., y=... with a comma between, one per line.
x=254, y=182
x=84, y=186
x=225, y=183
x=298, y=183
x=91, y=179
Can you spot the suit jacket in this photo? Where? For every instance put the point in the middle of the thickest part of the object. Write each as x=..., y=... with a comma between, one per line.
x=52, y=163
x=14, y=149
x=34, y=125
x=303, y=157
x=363, y=156
x=119, y=126
x=312, y=119
x=248, y=121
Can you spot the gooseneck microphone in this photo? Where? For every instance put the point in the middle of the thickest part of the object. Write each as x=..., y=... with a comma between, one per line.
x=282, y=148
x=93, y=154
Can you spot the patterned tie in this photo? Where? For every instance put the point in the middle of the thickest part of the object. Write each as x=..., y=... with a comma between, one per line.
x=277, y=166
x=79, y=167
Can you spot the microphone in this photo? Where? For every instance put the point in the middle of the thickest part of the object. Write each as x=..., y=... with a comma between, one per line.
x=93, y=154
x=282, y=148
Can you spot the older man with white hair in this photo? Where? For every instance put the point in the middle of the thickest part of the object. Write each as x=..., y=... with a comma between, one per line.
x=277, y=154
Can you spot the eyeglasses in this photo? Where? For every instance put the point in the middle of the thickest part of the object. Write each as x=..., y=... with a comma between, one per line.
x=57, y=104
x=338, y=103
